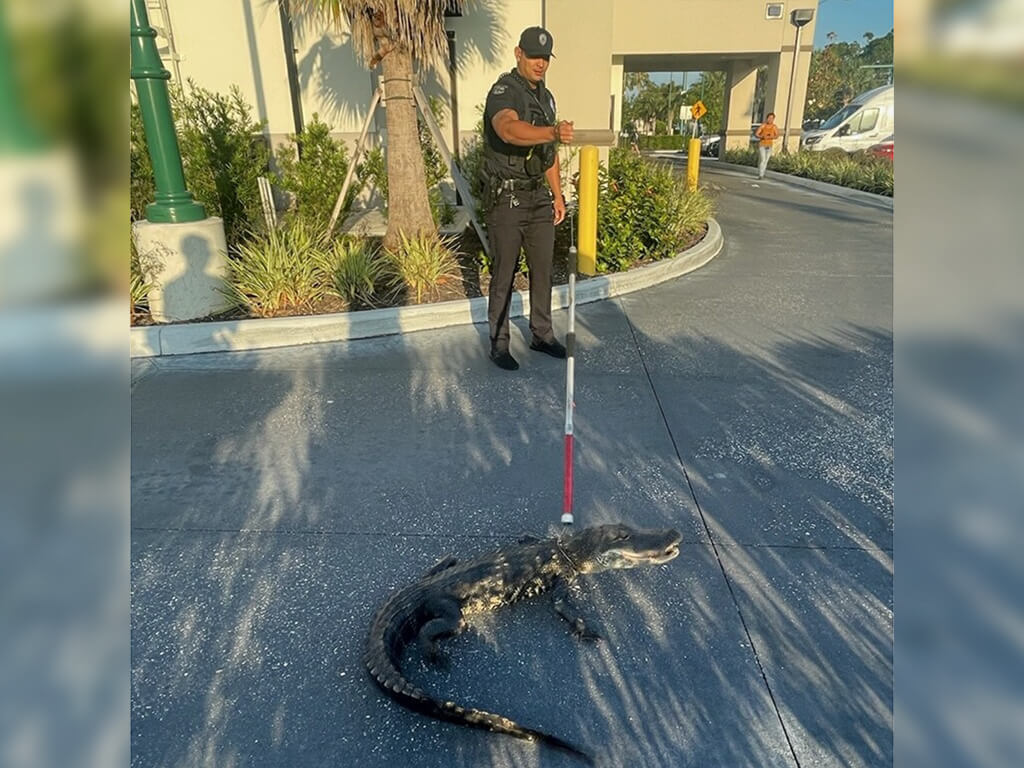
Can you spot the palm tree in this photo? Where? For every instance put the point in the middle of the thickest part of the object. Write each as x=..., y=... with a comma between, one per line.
x=398, y=35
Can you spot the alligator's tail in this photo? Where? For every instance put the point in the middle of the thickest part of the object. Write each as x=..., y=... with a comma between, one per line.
x=391, y=681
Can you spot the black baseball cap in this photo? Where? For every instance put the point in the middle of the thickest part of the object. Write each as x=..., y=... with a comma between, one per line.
x=536, y=42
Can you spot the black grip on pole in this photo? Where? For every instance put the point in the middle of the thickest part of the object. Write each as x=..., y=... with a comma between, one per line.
x=570, y=344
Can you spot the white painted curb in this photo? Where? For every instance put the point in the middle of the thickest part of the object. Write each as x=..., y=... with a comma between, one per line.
x=238, y=335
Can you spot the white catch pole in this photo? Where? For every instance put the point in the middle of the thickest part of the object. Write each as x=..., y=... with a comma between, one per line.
x=570, y=383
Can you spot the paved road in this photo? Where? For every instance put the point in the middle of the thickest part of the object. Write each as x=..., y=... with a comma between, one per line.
x=277, y=498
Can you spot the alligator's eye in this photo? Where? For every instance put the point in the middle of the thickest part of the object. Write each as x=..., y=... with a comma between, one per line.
x=622, y=536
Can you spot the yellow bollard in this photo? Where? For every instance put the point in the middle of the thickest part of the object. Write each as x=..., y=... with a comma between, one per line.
x=692, y=164
x=587, y=249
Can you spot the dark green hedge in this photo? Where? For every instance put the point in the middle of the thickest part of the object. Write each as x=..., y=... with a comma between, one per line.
x=660, y=142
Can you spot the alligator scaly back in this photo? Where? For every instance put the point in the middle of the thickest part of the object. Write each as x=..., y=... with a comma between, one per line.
x=387, y=674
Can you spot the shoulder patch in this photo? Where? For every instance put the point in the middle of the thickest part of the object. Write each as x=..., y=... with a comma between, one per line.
x=498, y=89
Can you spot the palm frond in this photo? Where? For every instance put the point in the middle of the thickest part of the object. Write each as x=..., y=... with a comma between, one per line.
x=377, y=26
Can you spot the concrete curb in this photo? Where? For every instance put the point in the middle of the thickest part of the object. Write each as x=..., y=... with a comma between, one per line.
x=818, y=186
x=239, y=335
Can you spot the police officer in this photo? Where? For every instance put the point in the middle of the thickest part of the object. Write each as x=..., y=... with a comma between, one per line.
x=521, y=135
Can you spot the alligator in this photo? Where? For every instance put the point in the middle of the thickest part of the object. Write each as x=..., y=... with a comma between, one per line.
x=436, y=607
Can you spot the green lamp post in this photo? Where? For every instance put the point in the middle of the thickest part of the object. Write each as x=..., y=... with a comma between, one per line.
x=17, y=134
x=174, y=203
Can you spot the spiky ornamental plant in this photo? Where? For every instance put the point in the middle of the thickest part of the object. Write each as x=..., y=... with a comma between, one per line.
x=402, y=36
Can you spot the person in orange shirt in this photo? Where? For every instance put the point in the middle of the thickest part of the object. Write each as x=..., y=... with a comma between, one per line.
x=767, y=132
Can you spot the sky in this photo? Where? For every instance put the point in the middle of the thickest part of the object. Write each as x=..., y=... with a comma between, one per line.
x=850, y=19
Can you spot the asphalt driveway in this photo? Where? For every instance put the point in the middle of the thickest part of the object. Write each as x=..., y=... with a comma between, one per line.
x=279, y=496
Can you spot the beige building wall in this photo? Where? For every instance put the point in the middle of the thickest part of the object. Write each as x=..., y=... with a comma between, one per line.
x=581, y=75
x=240, y=42
x=701, y=26
x=777, y=90
x=484, y=41
x=615, y=91
x=334, y=83
x=740, y=84
x=235, y=43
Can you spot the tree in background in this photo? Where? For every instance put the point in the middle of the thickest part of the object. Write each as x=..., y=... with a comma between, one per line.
x=710, y=89
x=836, y=77
x=657, y=105
x=648, y=103
x=836, y=74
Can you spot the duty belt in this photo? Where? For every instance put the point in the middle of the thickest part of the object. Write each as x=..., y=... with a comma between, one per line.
x=512, y=185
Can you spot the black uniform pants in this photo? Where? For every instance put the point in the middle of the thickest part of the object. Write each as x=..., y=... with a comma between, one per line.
x=530, y=225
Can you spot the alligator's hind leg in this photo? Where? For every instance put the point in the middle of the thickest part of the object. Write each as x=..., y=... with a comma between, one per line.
x=563, y=607
x=447, y=621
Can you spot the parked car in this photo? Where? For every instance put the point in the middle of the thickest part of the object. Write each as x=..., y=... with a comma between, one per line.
x=710, y=144
x=860, y=124
x=884, y=148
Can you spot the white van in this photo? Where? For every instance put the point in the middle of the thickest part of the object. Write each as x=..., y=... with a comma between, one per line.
x=862, y=123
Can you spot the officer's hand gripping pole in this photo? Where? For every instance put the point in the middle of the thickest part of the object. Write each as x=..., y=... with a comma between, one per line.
x=584, y=258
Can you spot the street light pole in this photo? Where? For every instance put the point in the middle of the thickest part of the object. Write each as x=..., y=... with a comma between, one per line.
x=800, y=18
x=173, y=202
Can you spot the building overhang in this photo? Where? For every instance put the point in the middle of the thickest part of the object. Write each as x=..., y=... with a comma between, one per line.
x=688, y=62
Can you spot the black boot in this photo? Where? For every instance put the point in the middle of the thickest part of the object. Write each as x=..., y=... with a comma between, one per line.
x=500, y=357
x=553, y=347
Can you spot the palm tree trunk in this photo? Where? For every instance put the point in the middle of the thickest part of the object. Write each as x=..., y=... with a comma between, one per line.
x=408, y=205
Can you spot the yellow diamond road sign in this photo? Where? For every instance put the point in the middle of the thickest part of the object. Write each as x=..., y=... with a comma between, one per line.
x=698, y=110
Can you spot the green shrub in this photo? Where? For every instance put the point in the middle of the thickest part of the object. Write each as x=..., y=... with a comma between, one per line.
x=354, y=270
x=834, y=166
x=279, y=272
x=224, y=152
x=61, y=62
x=833, y=153
x=740, y=156
x=674, y=141
x=471, y=161
x=143, y=189
x=442, y=210
x=375, y=169
x=644, y=211
x=422, y=264
x=313, y=171
x=138, y=285
x=433, y=163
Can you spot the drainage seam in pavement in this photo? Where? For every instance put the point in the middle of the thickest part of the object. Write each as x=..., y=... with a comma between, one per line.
x=707, y=530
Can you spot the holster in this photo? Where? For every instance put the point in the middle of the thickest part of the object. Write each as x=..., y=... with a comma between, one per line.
x=492, y=191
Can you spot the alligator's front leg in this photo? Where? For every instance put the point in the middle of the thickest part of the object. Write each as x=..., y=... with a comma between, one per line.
x=561, y=602
x=447, y=621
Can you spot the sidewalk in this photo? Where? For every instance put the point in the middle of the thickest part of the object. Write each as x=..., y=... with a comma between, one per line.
x=279, y=496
